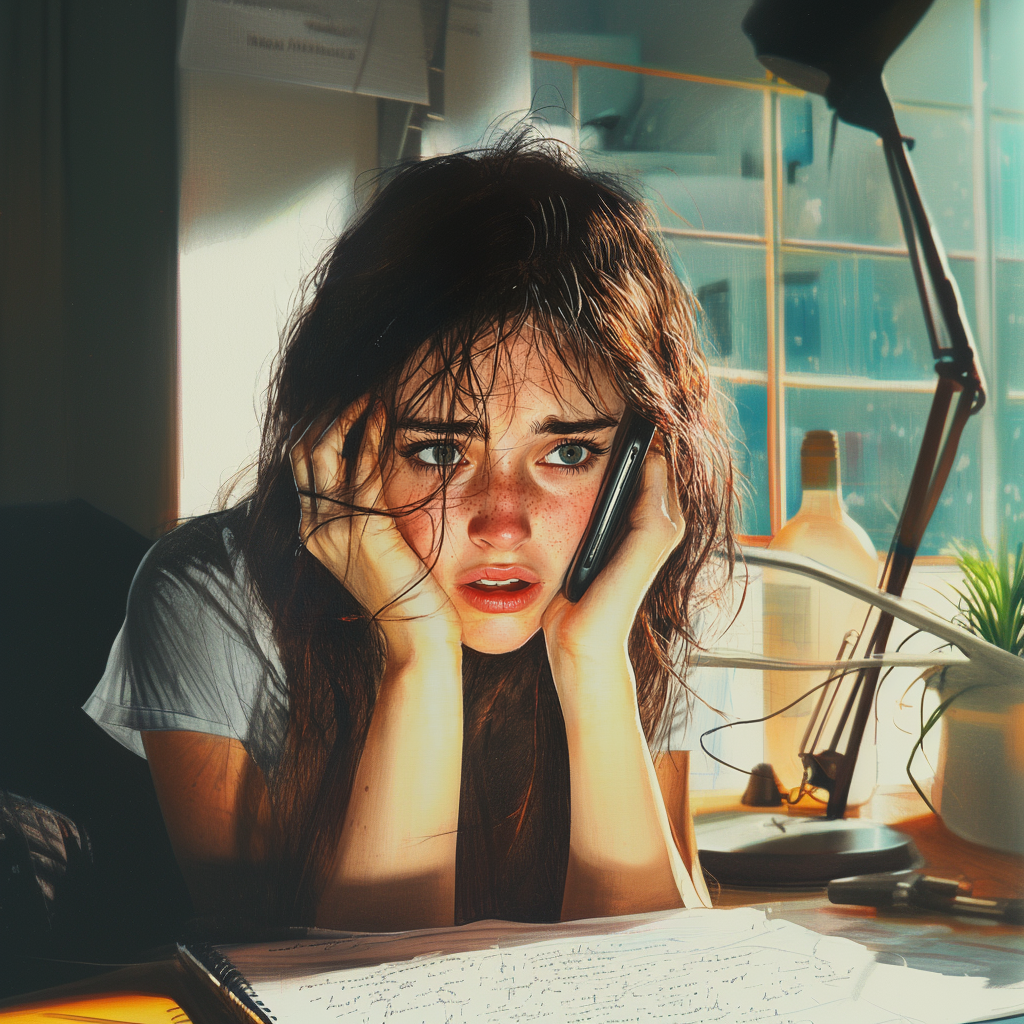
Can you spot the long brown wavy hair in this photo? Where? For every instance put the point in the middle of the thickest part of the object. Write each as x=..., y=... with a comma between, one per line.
x=448, y=251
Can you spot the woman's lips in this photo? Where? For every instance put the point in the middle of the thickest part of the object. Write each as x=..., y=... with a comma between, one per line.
x=499, y=589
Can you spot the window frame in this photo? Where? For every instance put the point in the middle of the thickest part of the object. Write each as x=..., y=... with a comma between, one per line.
x=776, y=245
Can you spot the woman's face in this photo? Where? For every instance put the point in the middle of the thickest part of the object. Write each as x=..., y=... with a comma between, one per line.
x=518, y=499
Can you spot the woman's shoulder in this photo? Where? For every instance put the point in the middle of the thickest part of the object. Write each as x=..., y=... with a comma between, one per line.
x=198, y=565
x=203, y=550
x=193, y=597
x=196, y=651
x=207, y=542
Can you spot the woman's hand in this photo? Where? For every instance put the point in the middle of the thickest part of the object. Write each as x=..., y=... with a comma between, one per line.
x=597, y=627
x=395, y=863
x=364, y=550
x=622, y=855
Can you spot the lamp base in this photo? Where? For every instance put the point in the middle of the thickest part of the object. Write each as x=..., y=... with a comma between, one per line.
x=768, y=850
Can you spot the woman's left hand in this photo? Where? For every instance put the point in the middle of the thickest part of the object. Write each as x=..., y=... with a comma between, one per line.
x=622, y=856
x=597, y=627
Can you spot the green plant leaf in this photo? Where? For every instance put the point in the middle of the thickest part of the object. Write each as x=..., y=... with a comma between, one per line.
x=991, y=605
x=991, y=599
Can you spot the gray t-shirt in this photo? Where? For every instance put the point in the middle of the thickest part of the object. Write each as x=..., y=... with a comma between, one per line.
x=196, y=651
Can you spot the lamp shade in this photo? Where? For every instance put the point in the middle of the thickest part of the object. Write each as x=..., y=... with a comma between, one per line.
x=832, y=47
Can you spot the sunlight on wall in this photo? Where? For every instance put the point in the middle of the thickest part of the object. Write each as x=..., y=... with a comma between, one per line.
x=487, y=75
x=249, y=147
x=235, y=299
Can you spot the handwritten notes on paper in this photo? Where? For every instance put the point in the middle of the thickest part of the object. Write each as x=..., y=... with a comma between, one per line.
x=598, y=980
x=703, y=967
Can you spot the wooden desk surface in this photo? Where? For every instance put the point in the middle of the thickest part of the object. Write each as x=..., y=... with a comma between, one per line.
x=945, y=854
x=934, y=942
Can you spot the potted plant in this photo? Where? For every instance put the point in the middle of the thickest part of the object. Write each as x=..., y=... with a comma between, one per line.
x=979, y=780
x=991, y=601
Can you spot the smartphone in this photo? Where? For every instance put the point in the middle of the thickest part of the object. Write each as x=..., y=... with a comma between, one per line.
x=614, y=501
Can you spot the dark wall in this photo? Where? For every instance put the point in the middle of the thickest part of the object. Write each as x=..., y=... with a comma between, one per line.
x=88, y=255
x=65, y=570
x=88, y=357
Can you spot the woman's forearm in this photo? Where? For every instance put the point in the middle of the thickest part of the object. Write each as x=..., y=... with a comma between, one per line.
x=395, y=867
x=622, y=857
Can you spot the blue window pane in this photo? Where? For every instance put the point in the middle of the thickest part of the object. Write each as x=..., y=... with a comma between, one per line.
x=879, y=437
x=802, y=317
x=1010, y=326
x=1008, y=229
x=728, y=280
x=853, y=315
x=693, y=36
x=850, y=198
x=697, y=148
x=608, y=95
x=934, y=62
x=746, y=412
x=551, y=88
x=846, y=199
x=1006, y=30
x=941, y=156
x=797, y=128
x=1011, y=503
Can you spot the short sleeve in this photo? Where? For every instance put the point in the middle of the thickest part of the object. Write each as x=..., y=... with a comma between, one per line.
x=195, y=653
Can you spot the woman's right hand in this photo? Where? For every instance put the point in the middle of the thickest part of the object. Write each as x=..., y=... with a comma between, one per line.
x=364, y=550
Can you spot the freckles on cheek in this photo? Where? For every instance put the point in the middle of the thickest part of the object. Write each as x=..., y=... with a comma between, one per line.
x=566, y=521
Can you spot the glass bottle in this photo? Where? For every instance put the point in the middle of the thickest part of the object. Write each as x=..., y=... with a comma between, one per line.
x=809, y=621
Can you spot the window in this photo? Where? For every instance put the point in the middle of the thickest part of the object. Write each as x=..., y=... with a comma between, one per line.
x=793, y=246
x=714, y=300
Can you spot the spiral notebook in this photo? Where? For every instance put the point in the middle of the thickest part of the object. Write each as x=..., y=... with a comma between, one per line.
x=679, y=966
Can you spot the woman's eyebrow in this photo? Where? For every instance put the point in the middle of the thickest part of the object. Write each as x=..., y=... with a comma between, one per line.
x=458, y=428
x=550, y=425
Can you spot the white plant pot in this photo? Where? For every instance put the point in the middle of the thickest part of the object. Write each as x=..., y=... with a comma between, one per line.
x=978, y=788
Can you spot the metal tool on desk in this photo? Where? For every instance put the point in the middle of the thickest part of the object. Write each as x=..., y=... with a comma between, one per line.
x=913, y=890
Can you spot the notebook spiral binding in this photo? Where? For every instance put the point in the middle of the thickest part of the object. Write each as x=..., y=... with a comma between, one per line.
x=229, y=983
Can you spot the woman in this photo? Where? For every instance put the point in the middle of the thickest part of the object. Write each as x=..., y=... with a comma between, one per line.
x=364, y=701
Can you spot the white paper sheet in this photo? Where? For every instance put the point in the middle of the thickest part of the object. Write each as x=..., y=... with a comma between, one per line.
x=689, y=967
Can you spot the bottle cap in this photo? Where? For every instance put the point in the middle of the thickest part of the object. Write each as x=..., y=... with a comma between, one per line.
x=819, y=460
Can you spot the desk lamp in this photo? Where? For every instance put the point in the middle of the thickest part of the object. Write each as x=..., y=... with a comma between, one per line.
x=838, y=50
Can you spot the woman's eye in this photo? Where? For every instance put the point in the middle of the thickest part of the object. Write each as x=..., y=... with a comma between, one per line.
x=568, y=455
x=439, y=455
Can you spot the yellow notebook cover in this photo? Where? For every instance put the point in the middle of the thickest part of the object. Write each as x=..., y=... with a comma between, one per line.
x=121, y=1008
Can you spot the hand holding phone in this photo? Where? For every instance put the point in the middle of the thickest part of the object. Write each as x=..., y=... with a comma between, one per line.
x=613, y=504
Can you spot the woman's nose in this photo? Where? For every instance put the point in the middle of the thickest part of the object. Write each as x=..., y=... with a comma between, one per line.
x=501, y=519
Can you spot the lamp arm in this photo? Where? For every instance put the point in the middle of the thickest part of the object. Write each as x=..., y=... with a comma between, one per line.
x=936, y=285
x=725, y=658
x=972, y=646
x=958, y=371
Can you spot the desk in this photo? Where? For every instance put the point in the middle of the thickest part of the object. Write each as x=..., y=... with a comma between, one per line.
x=945, y=854
x=932, y=942
x=920, y=940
